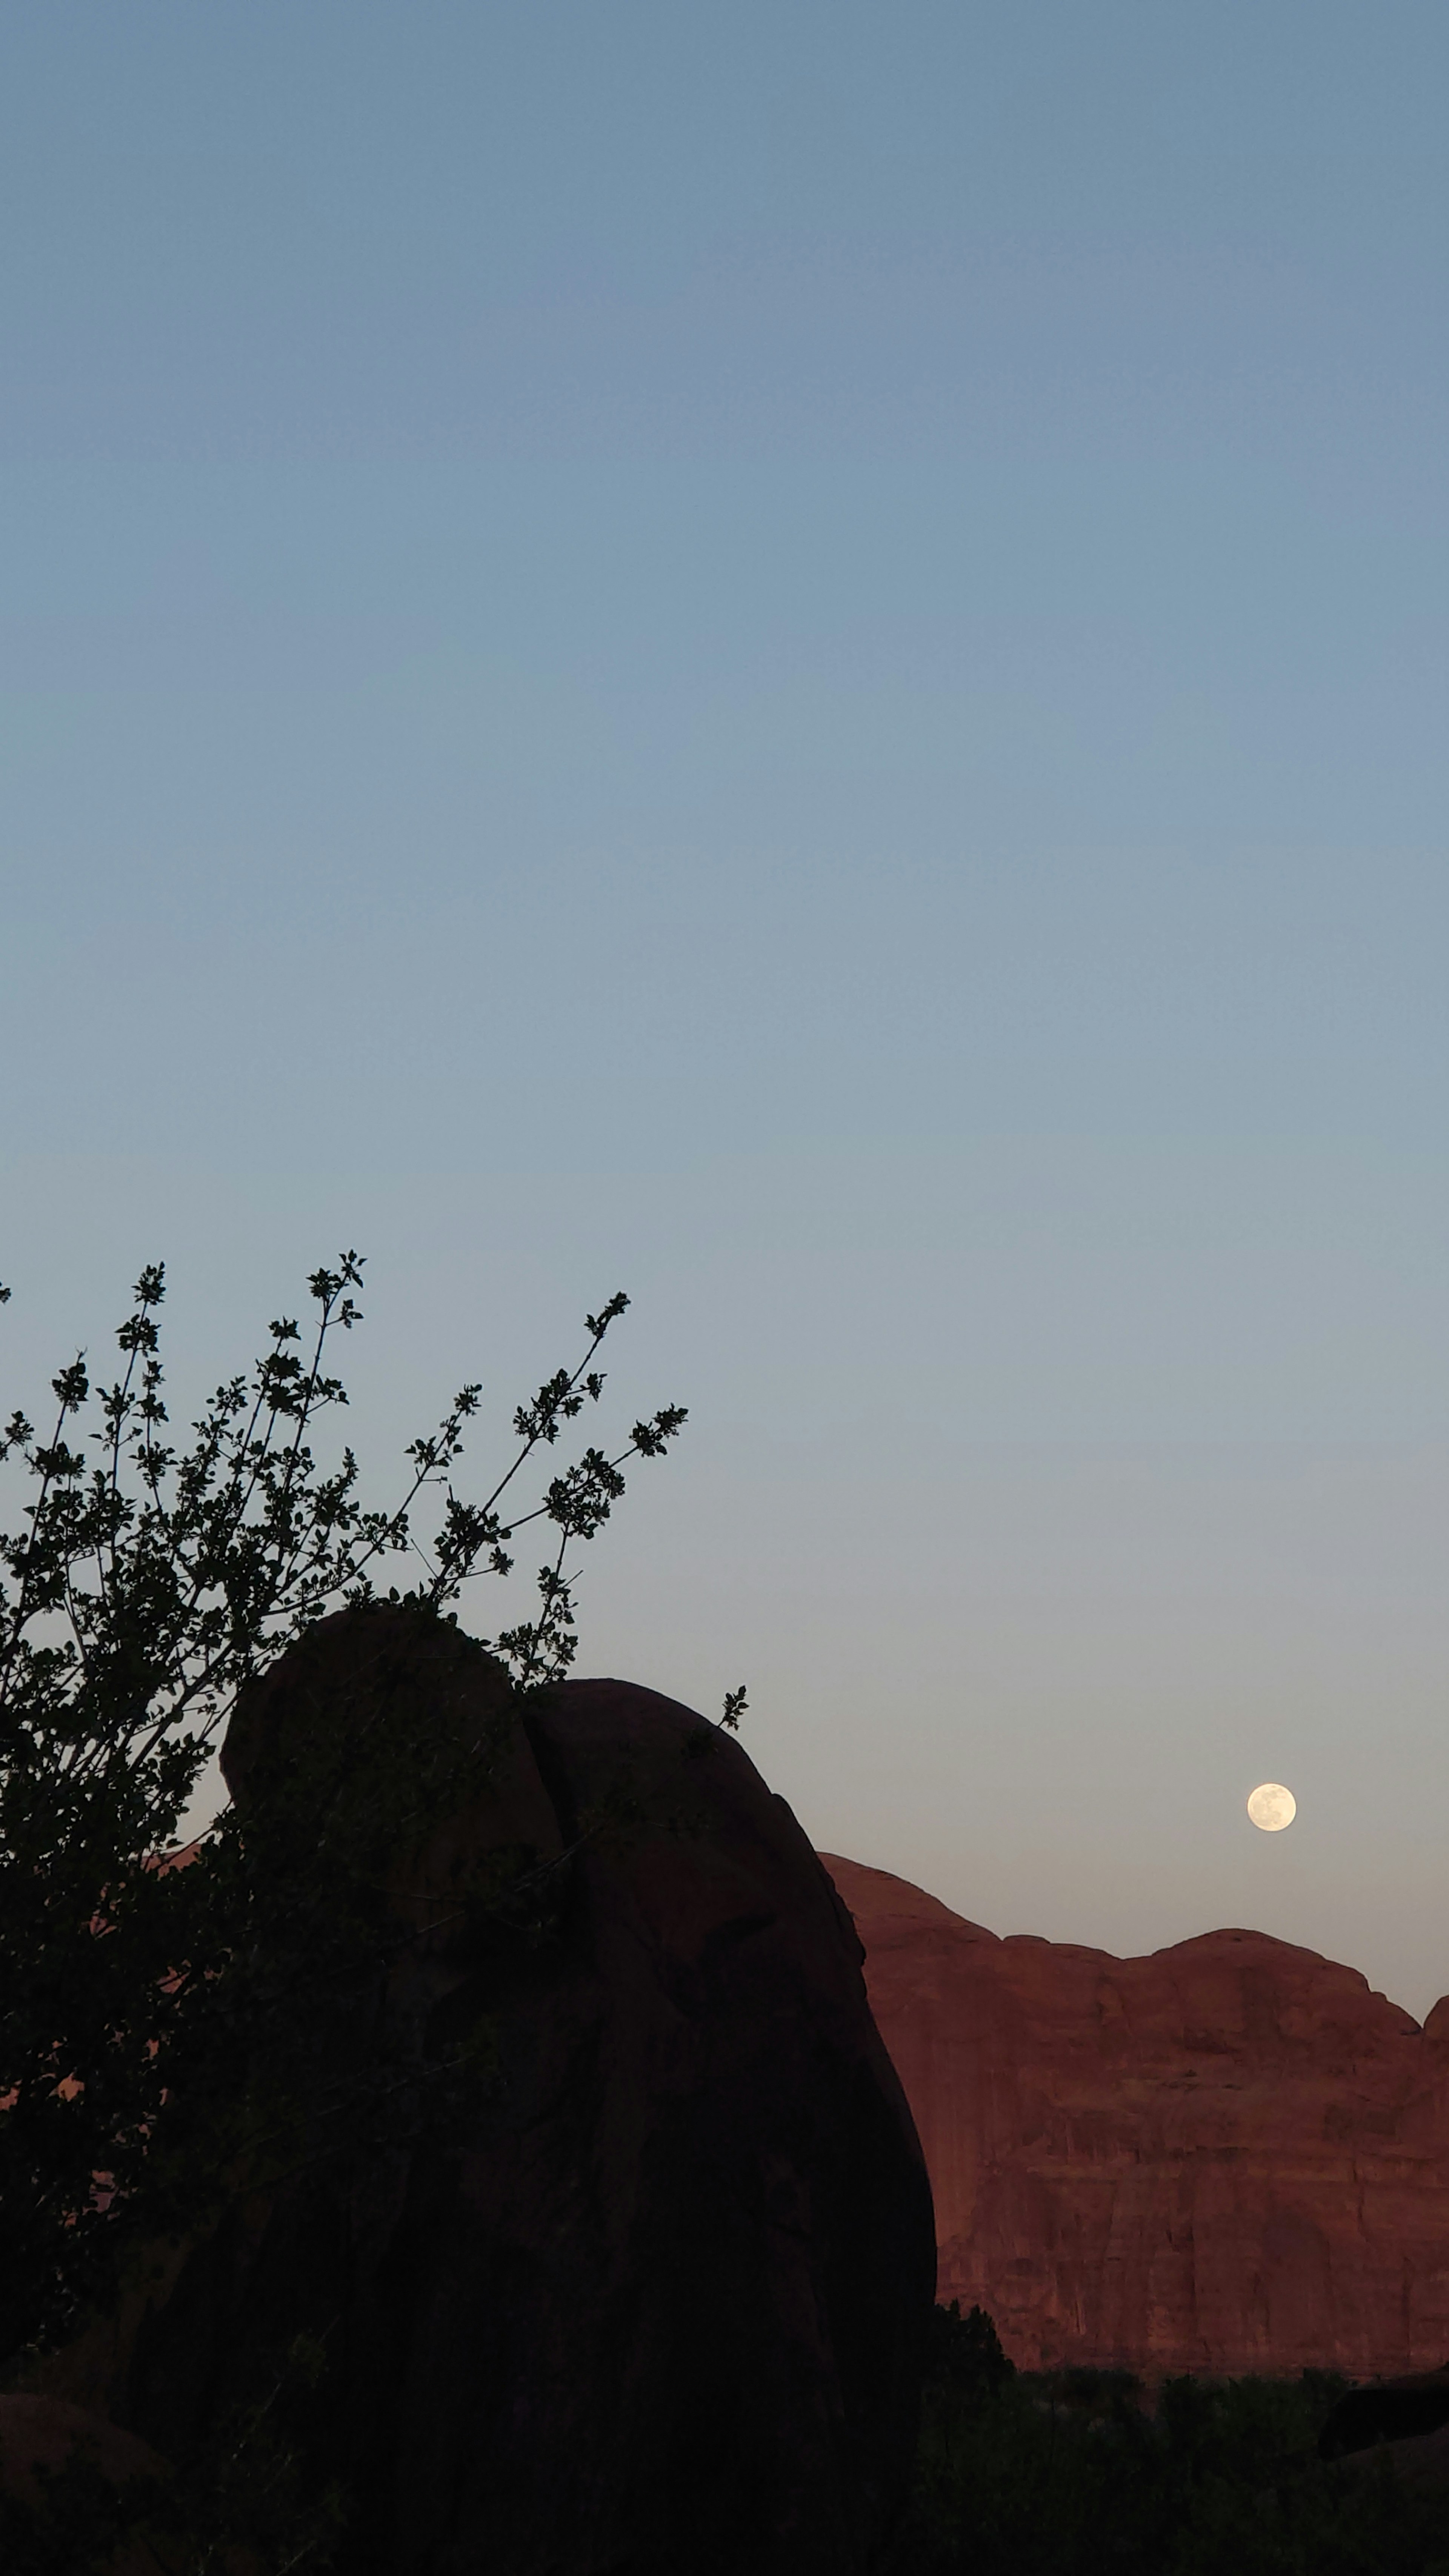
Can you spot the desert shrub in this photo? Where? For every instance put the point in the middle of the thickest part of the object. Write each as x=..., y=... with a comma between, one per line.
x=1084, y=2473
x=150, y=1578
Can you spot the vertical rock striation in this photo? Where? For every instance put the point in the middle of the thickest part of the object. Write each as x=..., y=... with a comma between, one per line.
x=1228, y=2156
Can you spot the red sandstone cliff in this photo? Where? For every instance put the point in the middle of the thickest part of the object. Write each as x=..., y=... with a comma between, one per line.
x=1228, y=2156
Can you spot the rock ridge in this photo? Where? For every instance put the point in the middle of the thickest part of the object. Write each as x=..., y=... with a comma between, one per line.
x=1228, y=2155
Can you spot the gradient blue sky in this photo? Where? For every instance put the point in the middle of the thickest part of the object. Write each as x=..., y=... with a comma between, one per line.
x=793, y=656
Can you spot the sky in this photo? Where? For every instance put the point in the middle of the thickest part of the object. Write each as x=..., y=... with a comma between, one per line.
x=792, y=657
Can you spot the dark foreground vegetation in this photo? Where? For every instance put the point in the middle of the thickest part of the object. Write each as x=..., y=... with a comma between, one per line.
x=1082, y=2473
x=154, y=1573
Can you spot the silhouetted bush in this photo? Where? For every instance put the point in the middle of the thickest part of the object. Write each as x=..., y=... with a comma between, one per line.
x=1086, y=2473
x=964, y=2355
x=151, y=1575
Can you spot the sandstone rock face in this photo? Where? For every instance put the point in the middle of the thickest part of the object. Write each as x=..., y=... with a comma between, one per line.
x=1228, y=2156
x=641, y=2288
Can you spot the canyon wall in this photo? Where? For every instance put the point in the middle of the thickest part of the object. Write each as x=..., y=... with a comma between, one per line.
x=1230, y=2155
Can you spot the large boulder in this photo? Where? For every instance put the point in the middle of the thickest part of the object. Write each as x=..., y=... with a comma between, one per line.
x=599, y=2242
x=1407, y=2409
x=1228, y=2156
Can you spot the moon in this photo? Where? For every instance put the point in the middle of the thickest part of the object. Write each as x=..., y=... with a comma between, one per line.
x=1272, y=1807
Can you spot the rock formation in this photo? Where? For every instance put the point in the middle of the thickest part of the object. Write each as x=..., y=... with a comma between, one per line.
x=1386, y=2410
x=1228, y=2156
x=625, y=2265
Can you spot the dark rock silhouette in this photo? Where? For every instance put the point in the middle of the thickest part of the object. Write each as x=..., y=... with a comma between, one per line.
x=624, y=2270
x=1229, y=2156
x=44, y=2440
x=1417, y=2460
x=1402, y=2422
x=1387, y=2410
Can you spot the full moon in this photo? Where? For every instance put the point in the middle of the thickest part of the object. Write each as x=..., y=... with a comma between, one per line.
x=1272, y=1807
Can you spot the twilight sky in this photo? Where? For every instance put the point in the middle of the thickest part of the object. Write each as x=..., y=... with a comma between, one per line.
x=792, y=656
